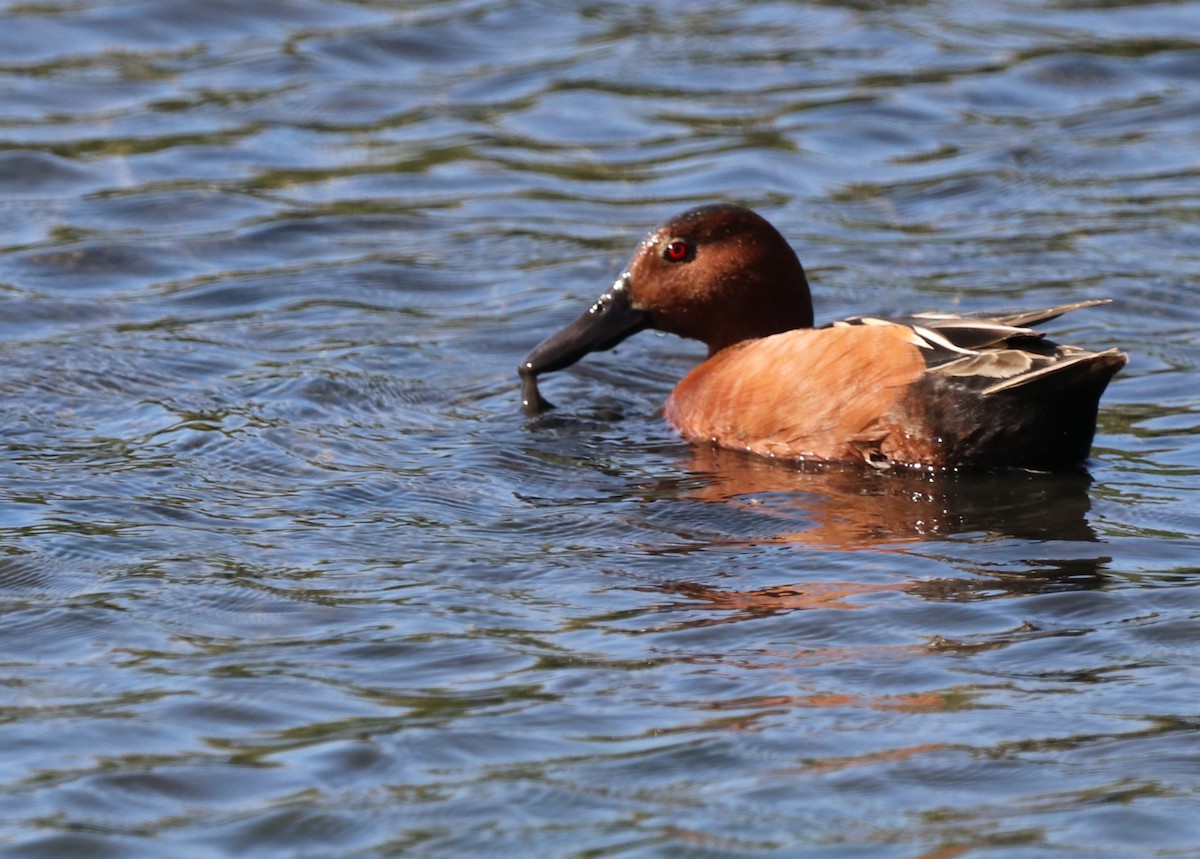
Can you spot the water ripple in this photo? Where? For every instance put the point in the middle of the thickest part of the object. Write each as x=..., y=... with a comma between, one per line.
x=284, y=571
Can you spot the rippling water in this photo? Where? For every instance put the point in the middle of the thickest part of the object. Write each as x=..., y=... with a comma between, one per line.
x=283, y=571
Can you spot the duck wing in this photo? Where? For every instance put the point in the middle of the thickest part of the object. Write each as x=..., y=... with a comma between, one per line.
x=994, y=351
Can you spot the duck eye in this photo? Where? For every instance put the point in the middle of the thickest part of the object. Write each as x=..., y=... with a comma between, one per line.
x=677, y=250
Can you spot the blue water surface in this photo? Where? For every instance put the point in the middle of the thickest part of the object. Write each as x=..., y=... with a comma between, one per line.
x=285, y=572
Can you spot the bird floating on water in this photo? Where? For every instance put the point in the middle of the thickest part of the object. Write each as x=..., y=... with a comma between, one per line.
x=936, y=390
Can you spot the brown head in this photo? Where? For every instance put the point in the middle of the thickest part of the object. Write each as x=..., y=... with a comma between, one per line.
x=719, y=274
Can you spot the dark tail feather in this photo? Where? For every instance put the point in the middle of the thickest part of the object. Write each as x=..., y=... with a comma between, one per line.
x=1088, y=370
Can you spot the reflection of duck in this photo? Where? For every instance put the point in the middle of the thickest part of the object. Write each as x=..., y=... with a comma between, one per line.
x=932, y=390
x=845, y=508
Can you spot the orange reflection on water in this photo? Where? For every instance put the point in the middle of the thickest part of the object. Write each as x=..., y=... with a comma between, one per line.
x=850, y=508
x=781, y=597
x=911, y=702
x=884, y=756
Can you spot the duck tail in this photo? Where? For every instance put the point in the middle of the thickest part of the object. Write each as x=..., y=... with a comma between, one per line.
x=1086, y=370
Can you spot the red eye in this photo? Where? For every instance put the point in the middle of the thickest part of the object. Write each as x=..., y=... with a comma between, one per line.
x=677, y=250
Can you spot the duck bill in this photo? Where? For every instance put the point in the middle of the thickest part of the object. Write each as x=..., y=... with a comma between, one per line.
x=606, y=323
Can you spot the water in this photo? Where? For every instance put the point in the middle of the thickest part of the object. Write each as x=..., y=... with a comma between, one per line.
x=284, y=571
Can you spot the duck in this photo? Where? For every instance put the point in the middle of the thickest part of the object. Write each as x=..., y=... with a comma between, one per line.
x=928, y=391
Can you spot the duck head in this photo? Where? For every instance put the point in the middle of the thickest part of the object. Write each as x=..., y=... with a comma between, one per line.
x=719, y=274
